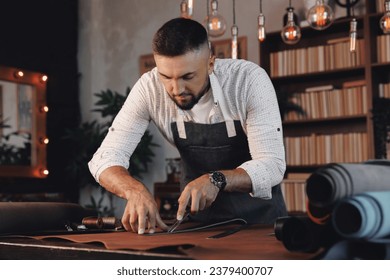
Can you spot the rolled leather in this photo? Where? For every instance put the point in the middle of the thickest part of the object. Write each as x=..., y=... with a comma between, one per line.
x=30, y=217
x=335, y=181
x=301, y=234
x=364, y=216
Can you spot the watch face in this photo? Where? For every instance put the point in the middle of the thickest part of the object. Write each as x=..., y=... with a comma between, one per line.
x=219, y=179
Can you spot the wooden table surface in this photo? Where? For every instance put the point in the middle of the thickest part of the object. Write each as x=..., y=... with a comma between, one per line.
x=254, y=242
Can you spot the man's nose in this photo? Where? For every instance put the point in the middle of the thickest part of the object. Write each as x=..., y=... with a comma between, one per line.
x=177, y=87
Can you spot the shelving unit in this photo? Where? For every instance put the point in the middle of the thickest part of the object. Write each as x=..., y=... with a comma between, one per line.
x=338, y=126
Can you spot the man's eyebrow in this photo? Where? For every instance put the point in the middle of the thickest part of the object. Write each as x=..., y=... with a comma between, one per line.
x=186, y=74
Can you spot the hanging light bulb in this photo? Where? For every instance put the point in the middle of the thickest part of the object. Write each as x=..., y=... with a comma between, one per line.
x=385, y=20
x=234, y=30
x=291, y=33
x=320, y=16
x=234, y=41
x=190, y=5
x=352, y=35
x=261, y=25
x=216, y=24
x=184, y=9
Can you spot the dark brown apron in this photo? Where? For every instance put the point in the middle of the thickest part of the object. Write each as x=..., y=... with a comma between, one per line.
x=207, y=147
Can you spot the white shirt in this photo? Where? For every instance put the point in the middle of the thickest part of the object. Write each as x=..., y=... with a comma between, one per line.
x=249, y=97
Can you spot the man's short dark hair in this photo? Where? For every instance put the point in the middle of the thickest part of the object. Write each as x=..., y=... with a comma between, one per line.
x=179, y=36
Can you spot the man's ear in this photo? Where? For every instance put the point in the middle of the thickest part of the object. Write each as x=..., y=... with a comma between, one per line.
x=211, y=63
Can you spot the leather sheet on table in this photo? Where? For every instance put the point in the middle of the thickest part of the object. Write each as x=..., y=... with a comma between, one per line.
x=254, y=242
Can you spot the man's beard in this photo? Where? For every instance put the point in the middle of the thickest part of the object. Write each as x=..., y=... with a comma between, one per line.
x=188, y=105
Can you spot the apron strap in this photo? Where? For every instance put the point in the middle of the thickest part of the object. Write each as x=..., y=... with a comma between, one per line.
x=180, y=125
x=218, y=99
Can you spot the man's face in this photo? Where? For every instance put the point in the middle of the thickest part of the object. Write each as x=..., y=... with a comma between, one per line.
x=186, y=77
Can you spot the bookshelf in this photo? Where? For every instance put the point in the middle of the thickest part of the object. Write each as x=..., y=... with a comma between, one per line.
x=336, y=89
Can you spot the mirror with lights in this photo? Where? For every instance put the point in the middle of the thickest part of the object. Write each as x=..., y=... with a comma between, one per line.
x=22, y=123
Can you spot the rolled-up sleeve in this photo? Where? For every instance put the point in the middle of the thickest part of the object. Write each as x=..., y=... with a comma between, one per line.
x=123, y=136
x=265, y=136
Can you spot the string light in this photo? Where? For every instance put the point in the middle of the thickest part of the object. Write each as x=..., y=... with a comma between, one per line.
x=320, y=16
x=261, y=24
x=234, y=34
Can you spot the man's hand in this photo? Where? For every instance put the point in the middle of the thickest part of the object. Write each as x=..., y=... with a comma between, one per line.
x=202, y=194
x=141, y=213
x=141, y=210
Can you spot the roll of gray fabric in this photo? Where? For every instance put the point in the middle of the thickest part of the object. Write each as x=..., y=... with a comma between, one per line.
x=335, y=181
x=30, y=217
x=365, y=216
x=377, y=249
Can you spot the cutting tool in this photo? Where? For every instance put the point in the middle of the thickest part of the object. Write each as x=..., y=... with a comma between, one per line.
x=178, y=222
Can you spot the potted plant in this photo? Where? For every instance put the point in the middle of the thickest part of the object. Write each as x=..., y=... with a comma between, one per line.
x=86, y=139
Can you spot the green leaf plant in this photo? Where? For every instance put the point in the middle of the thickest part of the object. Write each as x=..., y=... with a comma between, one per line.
x=86, y=139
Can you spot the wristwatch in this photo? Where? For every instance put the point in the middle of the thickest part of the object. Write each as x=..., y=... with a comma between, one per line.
x=218, y=179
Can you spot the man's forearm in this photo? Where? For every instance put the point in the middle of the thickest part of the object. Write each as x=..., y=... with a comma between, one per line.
x=237, y=180
x=117, y=180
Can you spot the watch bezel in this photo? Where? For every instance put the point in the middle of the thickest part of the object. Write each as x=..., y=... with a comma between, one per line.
x=218, y=179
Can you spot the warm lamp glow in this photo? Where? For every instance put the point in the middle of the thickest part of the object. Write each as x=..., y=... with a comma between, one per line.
x=19, y=74
x=320, y=16
x=291, y=33
x=234, y=42
x=44, y=172
x=353, y=35
x=215, y=23
x=44, y=78
x=44, y=109
x=385, y=20
x=261, y=25
x=44, y=140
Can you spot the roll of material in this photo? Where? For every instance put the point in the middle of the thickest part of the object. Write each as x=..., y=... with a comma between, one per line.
x=300, y=234
x=30, y=217
x=378, y=249
x=335, y=181
x=366, y=215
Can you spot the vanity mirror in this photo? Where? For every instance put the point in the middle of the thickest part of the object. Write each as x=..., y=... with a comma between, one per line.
x=22, y=123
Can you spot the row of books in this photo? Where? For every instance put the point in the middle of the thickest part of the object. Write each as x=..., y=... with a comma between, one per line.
x=383, y=48
x=329, y=103
x=294, y=195
x=316, y=59
x=380, y=6
x=317, y=149
x=384, y=90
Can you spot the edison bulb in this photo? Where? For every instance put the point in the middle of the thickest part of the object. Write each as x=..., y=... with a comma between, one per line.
x=215, y=23
x=291, y=33
x=320, y=16
x=261, y=28
x=385, y=19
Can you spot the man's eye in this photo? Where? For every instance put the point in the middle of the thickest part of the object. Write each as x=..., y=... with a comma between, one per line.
x=186, y=78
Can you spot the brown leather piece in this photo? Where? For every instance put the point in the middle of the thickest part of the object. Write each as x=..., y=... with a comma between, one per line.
x=254, y=242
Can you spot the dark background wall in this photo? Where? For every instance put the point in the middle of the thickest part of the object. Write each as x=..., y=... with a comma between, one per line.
x=41, y=35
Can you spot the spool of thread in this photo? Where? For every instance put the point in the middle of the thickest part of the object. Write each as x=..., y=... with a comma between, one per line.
x=92, y=222
x=111, y=222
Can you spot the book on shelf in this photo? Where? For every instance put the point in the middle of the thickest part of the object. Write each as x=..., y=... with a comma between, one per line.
x=316, y=59
x=294, y=193
x=319, y=88
x=355, y=83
